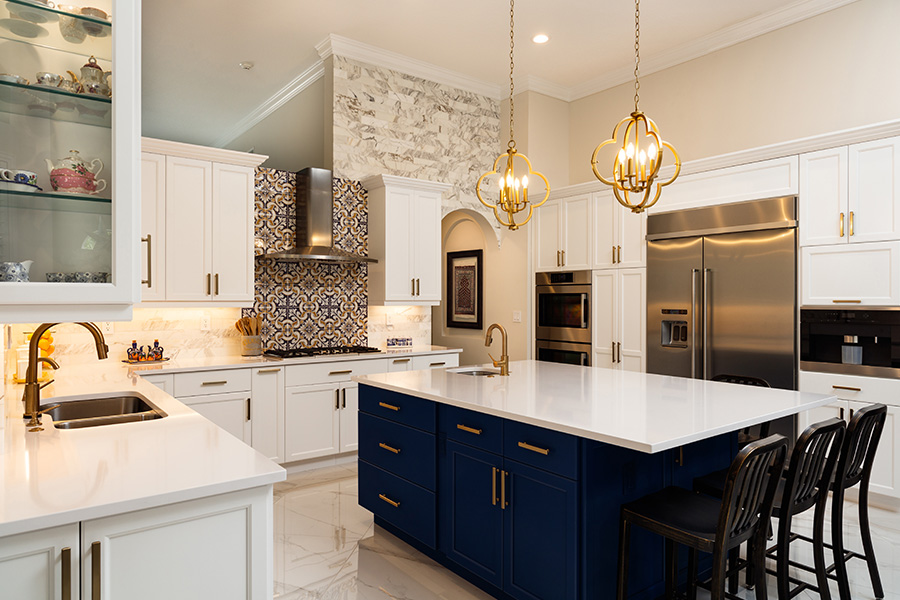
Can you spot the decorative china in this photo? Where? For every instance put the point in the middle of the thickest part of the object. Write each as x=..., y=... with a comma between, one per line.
x=48, y=79
x=15, y=271
x=12, y=186
x=70, y=27
x=21, y=176
x=23, y=28
x=56, y=277
x=35, y=15
x=72, y=174
x=95, y=29
x=10, y=78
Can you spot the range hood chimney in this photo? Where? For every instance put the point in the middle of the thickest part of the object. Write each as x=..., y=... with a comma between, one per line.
x=315, y=215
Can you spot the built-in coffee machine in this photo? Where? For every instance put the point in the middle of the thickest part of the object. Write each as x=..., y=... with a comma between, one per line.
x=855, y=342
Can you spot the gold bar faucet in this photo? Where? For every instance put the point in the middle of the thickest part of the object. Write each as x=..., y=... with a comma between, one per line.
x=503, y=363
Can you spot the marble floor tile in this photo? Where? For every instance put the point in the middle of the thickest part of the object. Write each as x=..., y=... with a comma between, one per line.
x=327, y=548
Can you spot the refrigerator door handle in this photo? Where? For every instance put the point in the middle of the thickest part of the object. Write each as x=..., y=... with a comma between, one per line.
x=706, y=322
x=694, y=323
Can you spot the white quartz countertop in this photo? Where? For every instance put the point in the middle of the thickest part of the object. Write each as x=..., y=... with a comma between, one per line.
x=645, y=412
x=57, y=476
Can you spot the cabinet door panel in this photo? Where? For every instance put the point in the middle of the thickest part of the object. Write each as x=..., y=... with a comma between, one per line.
x=547, y=244
x=232, y=238
x=471, y=518
x=821, y=413
x=886, y=468
x=398, y=274
x=311, y=417
x=631, y=299
x=267, y=412
x=603, y=320
x=228, y=411
x=188, y=228
x=576, y=241
x=604, y=207
x=153, y=226
x=426, y=252
x=632, y=232
x=541, y=534
x=349, y=428
x=31, y=563
x=874, y=196
x=164, y=382
x=823, y=197
x=858, y=274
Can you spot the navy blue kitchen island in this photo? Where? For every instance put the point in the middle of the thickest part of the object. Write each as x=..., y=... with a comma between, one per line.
x=515, y=483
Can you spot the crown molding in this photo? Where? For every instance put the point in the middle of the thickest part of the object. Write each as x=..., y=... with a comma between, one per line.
x=547, y=88
x=379, y=181
x=741, y=32
x=347, y=48
x=182, y=150
x=279, y=99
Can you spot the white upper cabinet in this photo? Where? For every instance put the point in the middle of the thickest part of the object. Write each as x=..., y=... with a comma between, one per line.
x=405, y=239
x=562, y=238
x=619, y=234
x=197, y=232
x=69, y=246
x=859, y=274
x=850, y=194
x=619, y=321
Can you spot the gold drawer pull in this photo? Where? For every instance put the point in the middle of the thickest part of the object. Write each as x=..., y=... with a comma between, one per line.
x=96, y=577
x=437, y=364
x=528, y=446
x=347, y=372
x=386, y=447
x=390, y=406
x=401, y=360
x=469, y=429
x=393, y=503
x=214, y=383
x=849, y=389
x=66, y=573
x=269, y=370
x=847, y=301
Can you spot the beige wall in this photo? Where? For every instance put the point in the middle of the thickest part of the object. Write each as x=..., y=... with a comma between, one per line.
x=547, y=141
x=506, y=286
x=832, y=72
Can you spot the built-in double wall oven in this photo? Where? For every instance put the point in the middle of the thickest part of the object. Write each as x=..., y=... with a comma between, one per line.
x=563, y=317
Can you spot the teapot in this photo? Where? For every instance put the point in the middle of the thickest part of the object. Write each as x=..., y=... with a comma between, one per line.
x=73, y=174
x=94, y=79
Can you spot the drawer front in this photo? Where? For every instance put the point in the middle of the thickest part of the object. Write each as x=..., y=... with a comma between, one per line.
x=211, y=382
x=472, y=428
x=408, y=410
x=404, y=451
x=435, y=361
x=876, y=390
x=403, y=504
x=332, y=372
x=545, y=449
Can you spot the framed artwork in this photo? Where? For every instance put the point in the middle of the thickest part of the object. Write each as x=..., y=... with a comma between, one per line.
x=464, y=277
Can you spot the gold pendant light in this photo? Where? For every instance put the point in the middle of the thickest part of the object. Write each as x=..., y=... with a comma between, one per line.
x=634, y=168
x=513, y=192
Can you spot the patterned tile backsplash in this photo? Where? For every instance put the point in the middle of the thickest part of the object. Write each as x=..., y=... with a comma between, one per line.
x=305, y=303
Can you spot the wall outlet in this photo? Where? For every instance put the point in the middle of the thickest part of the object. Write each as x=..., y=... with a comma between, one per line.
x=106, y=327
x=205, y=324
x=517, y=316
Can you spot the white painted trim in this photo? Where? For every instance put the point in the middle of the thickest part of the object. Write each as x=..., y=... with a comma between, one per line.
x=281, y=97
x=740, y=32
x=547, y=88
x=380, y=181
x=347, y=48
x=179, y=149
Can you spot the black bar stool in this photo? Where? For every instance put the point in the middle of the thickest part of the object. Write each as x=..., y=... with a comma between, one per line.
x=705, y=524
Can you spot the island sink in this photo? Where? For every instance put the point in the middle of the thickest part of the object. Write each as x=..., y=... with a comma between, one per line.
x=475, y=371
x=106, y=410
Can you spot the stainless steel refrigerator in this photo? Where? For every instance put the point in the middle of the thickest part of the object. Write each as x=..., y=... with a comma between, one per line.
x=721, y=292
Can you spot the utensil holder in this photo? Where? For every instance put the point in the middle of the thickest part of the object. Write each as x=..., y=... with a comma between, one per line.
x=251, y=345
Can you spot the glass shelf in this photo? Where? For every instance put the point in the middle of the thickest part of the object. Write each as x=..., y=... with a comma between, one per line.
x=40, y=25
x=54, y=201
x=55, y=104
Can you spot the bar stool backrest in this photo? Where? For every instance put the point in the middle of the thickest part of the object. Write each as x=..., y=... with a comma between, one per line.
x=863, y=435
x=812, y=464
x=750, y=489
x=741, y=379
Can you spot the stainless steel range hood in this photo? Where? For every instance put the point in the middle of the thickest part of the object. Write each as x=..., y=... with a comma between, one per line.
x=315, y=215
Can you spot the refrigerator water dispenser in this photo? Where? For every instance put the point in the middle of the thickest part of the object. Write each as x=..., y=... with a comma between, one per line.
x=674, y=334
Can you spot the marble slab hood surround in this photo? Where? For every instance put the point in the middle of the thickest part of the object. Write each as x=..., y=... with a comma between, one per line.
x=314, y=234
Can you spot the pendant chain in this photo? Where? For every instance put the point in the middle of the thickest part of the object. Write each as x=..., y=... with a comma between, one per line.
x=637, y=52
x=512, y=44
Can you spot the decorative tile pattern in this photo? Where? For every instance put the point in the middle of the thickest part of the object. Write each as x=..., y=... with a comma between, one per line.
x=305, y=303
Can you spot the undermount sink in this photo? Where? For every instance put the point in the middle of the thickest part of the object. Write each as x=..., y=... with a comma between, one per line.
x=106, y=410
x=475, y=371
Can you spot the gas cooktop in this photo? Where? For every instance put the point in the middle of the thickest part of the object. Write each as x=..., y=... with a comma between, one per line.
x=319, y=351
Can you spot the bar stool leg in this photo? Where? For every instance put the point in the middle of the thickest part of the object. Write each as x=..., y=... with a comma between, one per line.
x=837, y=543
x=784, y=555
x=719, y=576
x=819, y=549
x=868, y=547
x=692, y=574
x=671, y=569
x=734, y=555
x=758, y=560
x=624, y=543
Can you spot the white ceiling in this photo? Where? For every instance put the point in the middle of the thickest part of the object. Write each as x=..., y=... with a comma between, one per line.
x=194, y=90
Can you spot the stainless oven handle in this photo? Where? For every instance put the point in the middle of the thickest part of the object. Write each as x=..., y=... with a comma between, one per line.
x=705, y=322
x=584, y=309
x=694, y=322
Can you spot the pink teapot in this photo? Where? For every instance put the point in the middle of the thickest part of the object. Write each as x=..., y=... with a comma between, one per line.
x=73, y=174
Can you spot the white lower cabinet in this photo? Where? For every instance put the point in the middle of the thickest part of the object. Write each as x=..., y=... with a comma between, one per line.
x=619, y=321
x=267, y=412
x=435, y=361
x=854, y=393
x=223, y=397
x=164, y=381
x=38, y=565
x=403, y=363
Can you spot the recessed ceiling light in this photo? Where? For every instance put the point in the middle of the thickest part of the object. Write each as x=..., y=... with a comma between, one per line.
x=540, y=38
x=246, y=65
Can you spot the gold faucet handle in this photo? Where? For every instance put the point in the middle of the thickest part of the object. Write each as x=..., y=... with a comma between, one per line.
x=41, y=411
x=496, y=362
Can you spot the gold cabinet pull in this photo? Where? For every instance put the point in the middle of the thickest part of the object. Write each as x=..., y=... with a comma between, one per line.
x=412, y=284
x=388, y=406
x=613, y=352
x=563, y=258
x=347, y=372
x=149, y=280
x=851, y=222
x=398, y=361
x=842, y=225
x=528, y=446
x=344, y=398
x=213, y=383
x=504, y=502
x=388, y=448
x=847, y=301
x=275, y=370
x=469, y=429
x=217, y=284
x=95, y=571
x=848, y=388
x=618, y=352
x=209, y=284
x=437, y=364
x=66, y=573
x=557, y=258
x=619, y=254
x=393, y=503
x=494, y=486
x=337, y=399
x=248, y=409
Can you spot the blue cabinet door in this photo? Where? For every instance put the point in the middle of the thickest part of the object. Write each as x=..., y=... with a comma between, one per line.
x=541, y=534
x=471, y=523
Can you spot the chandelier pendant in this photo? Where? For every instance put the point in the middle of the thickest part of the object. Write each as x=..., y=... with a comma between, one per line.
x=641, y=150
x=512, y=198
